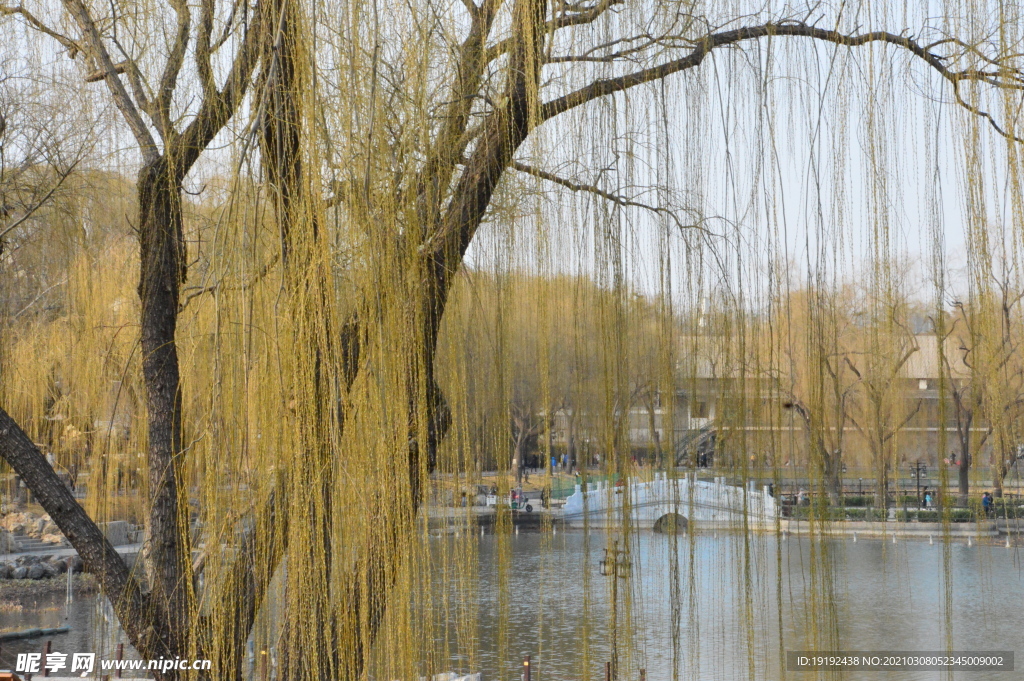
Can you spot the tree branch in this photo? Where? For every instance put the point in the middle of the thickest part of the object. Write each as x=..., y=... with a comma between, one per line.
x=590, y=55
x=100, y=74
x=215, y=111
x=228, y=24
x=204, y=51
x=213, y=288
x=892, y=433
x=1006, y=79
x=72, y=46
x=451, y=141
x=123, y=101
x=585, y=16
x=504, y=131
x=597, y=191
x=175, y=59
x=10, y=228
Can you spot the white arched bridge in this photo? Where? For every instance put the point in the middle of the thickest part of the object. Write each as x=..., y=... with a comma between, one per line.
x=672, y=504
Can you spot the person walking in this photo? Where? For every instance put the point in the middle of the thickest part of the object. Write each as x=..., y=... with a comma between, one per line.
x=986, y=504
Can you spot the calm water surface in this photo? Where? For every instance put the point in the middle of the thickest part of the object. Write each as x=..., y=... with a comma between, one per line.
x=704, y=607
x=737, y=605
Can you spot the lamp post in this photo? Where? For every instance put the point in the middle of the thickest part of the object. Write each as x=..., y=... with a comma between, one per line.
x=917, y=471
x=615, y=564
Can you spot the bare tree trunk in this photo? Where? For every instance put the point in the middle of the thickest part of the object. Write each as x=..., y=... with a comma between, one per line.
x=963, y=475
x=549, y=439
x=999, y=467
x=833, y=474
x=882, y=467
x=964, y=421
x=826, y=461
x=964, y=465
x=167, y=551
x=311, y=486
x=998, y=475
x=519, y=451
x=365, y=585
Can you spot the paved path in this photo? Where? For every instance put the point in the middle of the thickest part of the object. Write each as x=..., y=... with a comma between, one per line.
x=64, y=552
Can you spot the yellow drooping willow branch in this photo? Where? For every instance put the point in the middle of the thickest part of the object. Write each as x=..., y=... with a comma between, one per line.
x=324, y=313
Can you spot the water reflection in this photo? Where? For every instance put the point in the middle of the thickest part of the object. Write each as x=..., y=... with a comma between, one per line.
x=92, y=625
x=739, y=605
x=701, y=607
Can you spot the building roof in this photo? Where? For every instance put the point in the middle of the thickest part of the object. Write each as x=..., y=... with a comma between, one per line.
x=924, y=364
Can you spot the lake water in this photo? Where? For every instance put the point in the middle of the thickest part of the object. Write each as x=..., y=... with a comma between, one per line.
x=738, y=605
x=701, y=607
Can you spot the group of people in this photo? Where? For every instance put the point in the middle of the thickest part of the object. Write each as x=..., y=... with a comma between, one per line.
x=987, y=502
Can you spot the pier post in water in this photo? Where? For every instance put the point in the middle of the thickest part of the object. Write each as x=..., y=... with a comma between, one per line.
x=47, y=649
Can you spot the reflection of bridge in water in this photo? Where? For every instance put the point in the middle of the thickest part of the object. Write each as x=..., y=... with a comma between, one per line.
x=672, y=503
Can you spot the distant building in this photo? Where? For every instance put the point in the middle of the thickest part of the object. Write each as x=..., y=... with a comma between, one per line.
x=727, y=407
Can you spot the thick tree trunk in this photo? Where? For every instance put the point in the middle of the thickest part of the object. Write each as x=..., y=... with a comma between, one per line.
x=519, y=453
x=167, y=552
x=964, y=465
x=161, y=624
x=1001, y=468
x=964, y=421
x=882, y=467
x=825, y=460
x=964, y=474
x=311, y=486
x=365, y=586
x=100, y=558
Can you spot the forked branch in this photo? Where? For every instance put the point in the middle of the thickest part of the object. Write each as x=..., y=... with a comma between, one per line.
x=93, y=42
x=585, y=15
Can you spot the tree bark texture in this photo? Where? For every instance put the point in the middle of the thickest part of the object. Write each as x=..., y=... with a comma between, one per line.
x=98, y=555
x=162, y=258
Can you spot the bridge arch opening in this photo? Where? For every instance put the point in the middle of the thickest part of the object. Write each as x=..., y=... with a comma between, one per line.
x=671, y=523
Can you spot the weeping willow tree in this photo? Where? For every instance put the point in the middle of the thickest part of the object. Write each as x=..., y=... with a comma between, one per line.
x=367, y=145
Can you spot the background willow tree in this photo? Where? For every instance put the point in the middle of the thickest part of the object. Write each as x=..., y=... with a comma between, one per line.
x=379, y=138
x=818, y=376
x=982, y=365
x=547, y=370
